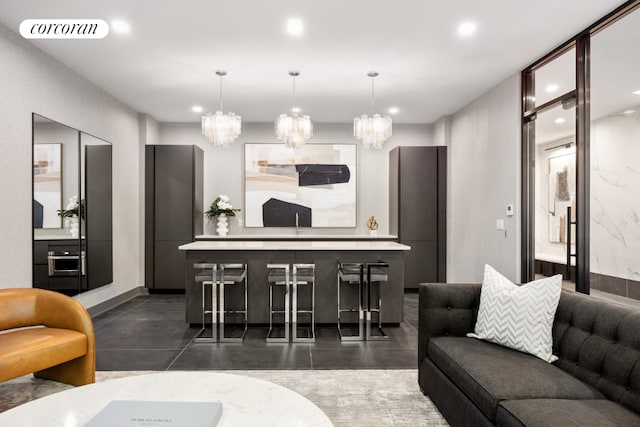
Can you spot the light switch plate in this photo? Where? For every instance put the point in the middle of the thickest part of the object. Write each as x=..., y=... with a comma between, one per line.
x=509, y=210
x=499, y=224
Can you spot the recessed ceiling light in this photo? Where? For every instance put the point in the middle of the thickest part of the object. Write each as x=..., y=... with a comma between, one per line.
x=295, y=27
x=120, y=26
x=559, y=120
x=636, y=92
x=196, y=109
x=629, y=112
x=393, y=110
x=466, y=29
x=552, y=88
x=295, y=109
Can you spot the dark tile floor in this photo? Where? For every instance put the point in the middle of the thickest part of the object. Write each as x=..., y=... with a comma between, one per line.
x=149, y=333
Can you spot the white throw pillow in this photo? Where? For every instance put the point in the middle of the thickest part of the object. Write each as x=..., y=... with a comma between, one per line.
x=518, y=317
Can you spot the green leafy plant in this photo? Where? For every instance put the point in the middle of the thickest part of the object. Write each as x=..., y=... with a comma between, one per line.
x=72, y=209
x=221, y=205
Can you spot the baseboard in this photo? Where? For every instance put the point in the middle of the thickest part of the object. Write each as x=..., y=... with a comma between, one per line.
x=112, y=303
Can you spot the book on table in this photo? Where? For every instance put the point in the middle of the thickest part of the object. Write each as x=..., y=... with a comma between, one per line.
x=137, y=413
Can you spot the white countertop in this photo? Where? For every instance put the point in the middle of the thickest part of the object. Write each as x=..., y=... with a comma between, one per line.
x=295, y=236
x=55, y=237
x=315, y=245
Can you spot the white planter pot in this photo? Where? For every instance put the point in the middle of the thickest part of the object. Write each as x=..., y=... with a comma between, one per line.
x=223, y=228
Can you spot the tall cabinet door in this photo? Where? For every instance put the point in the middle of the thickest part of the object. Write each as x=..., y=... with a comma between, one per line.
x=176, y=210
x=417, y=210
x=173, y=203
x=418, y=193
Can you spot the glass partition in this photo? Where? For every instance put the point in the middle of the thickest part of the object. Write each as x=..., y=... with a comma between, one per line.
x=615, y=159
x=555, y=78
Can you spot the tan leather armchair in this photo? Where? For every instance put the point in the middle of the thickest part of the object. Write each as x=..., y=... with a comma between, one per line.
x=47, y=334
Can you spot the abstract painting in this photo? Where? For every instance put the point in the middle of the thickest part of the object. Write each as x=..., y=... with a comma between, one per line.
x=562, y=194
x=310, y=186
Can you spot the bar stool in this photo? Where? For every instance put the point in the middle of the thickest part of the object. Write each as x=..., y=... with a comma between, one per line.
x=291, y=276
x=352, y=272
x=365, y=275
x=217, y=276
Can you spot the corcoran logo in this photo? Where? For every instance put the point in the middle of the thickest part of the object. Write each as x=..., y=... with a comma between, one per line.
x=64, y=29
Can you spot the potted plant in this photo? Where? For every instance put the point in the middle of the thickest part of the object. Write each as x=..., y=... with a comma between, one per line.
x=221, y=208
x=72, y=212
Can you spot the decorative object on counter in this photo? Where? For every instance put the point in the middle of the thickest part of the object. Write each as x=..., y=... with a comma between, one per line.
x=71, y=213
x=293, y=130
x=372, y=225
x=374, y=130
x=223, y=227
x=73, y=225
x=219, y=128
x=221, y=208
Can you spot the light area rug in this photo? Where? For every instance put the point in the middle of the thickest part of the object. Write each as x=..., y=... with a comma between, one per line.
x=372, y=397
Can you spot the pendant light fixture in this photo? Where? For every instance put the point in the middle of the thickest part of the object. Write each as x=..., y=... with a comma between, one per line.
x=374, y=130
x=293, y=130
x=219, y=128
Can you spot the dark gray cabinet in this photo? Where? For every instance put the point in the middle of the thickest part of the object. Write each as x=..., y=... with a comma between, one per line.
x=174, y=210
x=418, y=209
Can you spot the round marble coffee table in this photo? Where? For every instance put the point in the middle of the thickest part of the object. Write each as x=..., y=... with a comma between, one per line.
x=245, y=401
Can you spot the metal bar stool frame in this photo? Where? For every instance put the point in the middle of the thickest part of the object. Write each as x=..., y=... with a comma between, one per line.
x=291, y=282
x=286, y=283
x=218, y=311
x=342, y=272
x=294, y=303
x=369, y=309
x=214, y=310
x=365, y=308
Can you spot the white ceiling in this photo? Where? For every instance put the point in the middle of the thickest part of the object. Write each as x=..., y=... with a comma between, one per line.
x=166, y=63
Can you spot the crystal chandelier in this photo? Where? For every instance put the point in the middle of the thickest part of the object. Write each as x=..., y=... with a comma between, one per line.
x=293, y=130
x=219, y=128
x=374, y=130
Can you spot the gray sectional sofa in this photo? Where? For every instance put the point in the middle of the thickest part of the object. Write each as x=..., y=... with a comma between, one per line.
x=595, y=381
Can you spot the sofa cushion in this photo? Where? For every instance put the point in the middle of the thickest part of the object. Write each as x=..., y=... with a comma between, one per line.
x=519, y=317
x=488, y=373
x=28, y=350
x=566, y=413
x=599, y=343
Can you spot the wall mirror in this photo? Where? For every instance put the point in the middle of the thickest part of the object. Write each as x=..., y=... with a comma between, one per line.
x=72, y=208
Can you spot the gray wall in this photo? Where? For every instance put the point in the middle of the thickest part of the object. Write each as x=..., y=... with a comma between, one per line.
x=485, y=177
x=32, y=81
x=224, y=169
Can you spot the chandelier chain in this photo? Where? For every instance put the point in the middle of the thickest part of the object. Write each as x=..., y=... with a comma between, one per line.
x=293, y=98
x=221, y=93
x=372, y=96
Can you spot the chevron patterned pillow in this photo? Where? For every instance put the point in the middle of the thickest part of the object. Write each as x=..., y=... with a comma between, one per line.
x=518, y=317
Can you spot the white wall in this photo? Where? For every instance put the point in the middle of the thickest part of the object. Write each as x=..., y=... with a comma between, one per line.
x=615, y=201
x=32, y=81
x=224, y=169
x=484, y=155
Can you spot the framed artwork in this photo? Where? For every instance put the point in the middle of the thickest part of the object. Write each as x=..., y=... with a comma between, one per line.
x=562, y=193
x=311, y=186
x=47, y=185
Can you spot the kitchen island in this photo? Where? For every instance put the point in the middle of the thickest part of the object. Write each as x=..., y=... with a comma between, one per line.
x=324, y=254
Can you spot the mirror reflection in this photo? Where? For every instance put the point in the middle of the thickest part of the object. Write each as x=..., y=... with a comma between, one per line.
x=55, y=180
x=72, y=232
